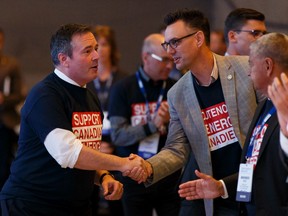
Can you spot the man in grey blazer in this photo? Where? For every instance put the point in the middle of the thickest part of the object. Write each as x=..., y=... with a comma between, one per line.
x=210, y=107
x=265, y=148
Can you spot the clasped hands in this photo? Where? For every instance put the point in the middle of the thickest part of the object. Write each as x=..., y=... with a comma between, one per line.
x=135, y=167
x=139, y=169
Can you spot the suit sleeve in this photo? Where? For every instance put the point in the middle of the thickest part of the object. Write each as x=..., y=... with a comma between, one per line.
x=176, y=151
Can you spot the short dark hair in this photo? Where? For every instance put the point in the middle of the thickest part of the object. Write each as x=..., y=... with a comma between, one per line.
x=61, y=40
x=237, y=18
x=193, y=18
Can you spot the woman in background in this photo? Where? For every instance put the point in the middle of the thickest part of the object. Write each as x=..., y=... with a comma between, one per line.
x=108, y=74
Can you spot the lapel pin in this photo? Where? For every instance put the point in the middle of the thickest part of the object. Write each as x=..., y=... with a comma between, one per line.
x=229, y=77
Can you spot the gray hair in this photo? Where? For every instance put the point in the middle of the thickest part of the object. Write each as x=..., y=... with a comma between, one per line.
x=274, y=46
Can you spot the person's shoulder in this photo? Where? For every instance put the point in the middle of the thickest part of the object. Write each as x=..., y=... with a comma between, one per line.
x=10, y=61
x=9, y=58
x=235, y=62
x=170, y=82
x=124, y=86
x=125, y=80
x=44, y=85
x=119, y=75
x=236, y=59
x=181, y=83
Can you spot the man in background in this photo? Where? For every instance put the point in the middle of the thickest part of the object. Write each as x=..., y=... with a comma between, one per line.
x=138, y=112
x=242, y=27
x=217, y=42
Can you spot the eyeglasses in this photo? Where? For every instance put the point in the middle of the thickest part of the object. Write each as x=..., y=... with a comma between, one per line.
x=165, y=60
x=254, y=33
x=174, y=43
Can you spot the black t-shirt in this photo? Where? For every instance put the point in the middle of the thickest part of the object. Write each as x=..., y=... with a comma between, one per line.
x=127, y=101
x=35, y=174
x=224, y=146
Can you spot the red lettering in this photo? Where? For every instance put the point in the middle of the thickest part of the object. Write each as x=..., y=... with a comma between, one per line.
x=86, y=119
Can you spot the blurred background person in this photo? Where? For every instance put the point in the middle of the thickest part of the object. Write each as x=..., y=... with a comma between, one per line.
x=108, y=74
x=11, y=94
x=242, y=27
x=217, y=42
x=138, y=111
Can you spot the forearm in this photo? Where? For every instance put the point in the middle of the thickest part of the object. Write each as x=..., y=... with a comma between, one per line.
x=165, y=163
x=68, y=151
x=90, y=159
x=173, y=155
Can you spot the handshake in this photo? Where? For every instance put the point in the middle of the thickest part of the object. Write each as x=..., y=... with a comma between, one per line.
x=137, y=168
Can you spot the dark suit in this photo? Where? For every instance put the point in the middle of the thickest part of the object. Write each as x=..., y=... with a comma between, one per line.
x=269, y=187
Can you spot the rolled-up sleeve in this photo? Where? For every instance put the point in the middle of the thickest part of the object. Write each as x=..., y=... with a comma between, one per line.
x=63, y=146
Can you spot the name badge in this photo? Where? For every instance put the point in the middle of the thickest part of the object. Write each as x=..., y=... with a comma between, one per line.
x=244, y=185
x=149, y=146
x=106, y=124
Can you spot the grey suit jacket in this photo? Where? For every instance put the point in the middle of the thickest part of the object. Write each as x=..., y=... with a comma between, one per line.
x=186, y=129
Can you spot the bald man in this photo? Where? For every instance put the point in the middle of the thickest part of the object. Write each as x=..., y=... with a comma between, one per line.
x=139, y=120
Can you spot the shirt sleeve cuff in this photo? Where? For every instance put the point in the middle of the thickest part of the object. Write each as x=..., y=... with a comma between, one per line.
x=225, y=196
x=284, y=143
x=63, y=146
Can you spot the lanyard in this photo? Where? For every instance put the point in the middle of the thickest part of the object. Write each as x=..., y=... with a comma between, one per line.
x=143, y=91
x=103, y=92
x=253, y=138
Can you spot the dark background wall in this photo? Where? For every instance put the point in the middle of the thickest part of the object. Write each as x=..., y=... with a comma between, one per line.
x=29, y=24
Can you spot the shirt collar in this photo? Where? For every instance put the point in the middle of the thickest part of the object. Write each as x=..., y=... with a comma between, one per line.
x=214, y=74
x=62, y=76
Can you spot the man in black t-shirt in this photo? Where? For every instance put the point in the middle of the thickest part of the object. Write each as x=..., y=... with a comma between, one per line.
x=139, y=118
x=61, y=129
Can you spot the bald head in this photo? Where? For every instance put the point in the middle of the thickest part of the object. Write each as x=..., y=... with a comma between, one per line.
x=152, y=43
x=274, y=46
x=268, y=59
x=157, y=63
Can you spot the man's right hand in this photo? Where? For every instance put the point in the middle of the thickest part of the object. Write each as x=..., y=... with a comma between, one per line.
x=139, y=173
x=206, y=187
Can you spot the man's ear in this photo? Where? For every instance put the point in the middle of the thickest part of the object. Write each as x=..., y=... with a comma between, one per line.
x=144, y=56
x=232, y=36
x=200, y=37
x=269, y=64
x=63, y=59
